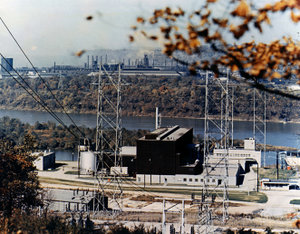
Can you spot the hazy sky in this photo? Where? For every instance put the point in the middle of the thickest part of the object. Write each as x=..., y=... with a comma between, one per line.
x=53, y=30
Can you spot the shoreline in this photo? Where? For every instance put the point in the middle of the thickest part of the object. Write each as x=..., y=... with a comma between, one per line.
x=166, y=116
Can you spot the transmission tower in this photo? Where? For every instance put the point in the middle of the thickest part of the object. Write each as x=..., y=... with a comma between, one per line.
x=216, y=134
x=260, y=120
x=108, y=139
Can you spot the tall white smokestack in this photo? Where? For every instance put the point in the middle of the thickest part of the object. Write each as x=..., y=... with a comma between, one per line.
x=157, y=119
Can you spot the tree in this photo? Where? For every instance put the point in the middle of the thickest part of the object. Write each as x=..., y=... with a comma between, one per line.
x=255, y=62
x=19, y=186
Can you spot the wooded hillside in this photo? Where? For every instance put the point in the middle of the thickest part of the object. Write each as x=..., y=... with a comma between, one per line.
x=176, y=97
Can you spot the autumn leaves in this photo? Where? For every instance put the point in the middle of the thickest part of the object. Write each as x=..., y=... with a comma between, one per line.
x=278, y=59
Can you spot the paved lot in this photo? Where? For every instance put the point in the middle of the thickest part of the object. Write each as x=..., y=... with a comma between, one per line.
x=278, y=201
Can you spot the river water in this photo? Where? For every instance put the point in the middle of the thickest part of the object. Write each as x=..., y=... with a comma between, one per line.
x=279, y=134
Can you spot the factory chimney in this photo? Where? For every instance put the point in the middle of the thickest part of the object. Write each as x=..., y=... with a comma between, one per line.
x=157, y=119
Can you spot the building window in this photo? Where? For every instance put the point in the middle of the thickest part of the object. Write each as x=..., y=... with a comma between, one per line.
x=201, y=180
x=213, y=180
x=166, y=180
x=219, y=181
x=184, y=179
x=207, y=180
x=196, y=180
x=139, y=179
x=191, y=180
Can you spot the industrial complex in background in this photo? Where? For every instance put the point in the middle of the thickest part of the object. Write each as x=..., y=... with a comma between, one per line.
x=132, y=63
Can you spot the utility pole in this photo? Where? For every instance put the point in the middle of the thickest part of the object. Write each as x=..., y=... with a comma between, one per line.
x=182, y=218
x=164, y=228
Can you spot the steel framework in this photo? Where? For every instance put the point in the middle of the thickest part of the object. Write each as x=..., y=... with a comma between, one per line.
x=260, y=120
x=217, y=133
x=109, y=139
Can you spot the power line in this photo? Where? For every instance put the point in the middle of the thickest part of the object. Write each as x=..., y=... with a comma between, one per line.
x=47, y=85
x=35, y=96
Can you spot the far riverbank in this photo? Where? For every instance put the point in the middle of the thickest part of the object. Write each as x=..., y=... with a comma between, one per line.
x=278, y=133
x=295, y=121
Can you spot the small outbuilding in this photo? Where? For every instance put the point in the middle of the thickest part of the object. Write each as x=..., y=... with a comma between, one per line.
x=44, y=160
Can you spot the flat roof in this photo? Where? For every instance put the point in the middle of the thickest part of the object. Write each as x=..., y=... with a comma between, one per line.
x=166, y=134
x=43, y=153
x=178, y=133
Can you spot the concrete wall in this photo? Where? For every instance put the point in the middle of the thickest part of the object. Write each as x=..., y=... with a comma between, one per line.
x=239, y=154
x=193, y=180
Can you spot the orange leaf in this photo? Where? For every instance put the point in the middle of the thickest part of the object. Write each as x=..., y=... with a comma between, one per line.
x=140, y=20
x=153, y=38
x=280, y=6
x=193, y=35
x=131, y=38
x=239, y=31
x=153, y=20
x=275, y=75
x=203, y=21
x=247, y=65
x=194, y=43
x=168, y=10
x=295, y=18
x=257, y=69
x=221, y=22
x=234, y=67
x=268, y=7
x=180, y=46
x=242, y=9
x=79, y=53
x=158, y=13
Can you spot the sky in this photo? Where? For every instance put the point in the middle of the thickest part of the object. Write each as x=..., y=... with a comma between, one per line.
x=53, y=30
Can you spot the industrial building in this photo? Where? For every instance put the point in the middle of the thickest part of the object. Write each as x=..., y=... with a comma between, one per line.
x=168, y=156
x=128, y=154
x=246, y=155
x=165, y=153
x=45, y=160
x=267, y=184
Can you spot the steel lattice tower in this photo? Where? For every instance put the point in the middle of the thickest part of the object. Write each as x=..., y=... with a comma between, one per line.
x=260, y=119
x=215, y=197
x=109, y=137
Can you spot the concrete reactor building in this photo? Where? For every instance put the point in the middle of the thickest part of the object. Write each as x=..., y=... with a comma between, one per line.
x=168, y=156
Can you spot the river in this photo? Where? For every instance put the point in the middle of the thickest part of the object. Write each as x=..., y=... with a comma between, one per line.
x=279, y=134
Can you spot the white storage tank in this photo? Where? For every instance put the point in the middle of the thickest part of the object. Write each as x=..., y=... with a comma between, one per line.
x=88, y=161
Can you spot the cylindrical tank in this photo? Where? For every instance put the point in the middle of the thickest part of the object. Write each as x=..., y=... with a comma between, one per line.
x=88, y=161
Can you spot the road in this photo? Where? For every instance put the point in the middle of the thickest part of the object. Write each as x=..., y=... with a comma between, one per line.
x=279, y=203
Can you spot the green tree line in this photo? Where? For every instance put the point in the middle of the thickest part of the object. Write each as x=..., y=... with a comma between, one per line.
x=176, y=97
x=52, y=136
